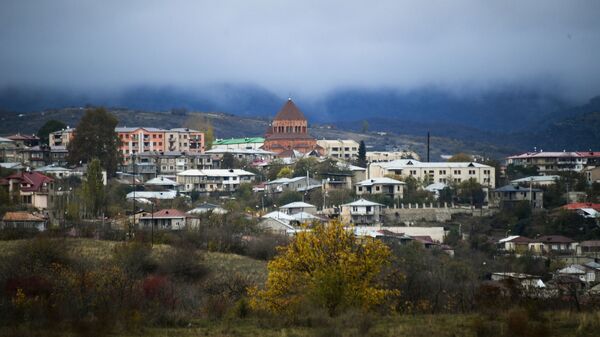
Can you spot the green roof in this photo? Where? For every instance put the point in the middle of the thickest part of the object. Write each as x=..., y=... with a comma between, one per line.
x=234, y=141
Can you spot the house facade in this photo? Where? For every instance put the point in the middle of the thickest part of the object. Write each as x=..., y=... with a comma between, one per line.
x=32, y=188
x=341, y=148
x=362, y=212
x=381, y=186
x=435, y=172
x=511, y=195
x=214, y=180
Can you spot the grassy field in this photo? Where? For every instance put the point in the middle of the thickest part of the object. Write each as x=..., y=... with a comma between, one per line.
x=218, y=263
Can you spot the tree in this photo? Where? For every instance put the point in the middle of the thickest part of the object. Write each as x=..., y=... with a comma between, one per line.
x=285, y=172
x=304, y=165
x=362, y=154
x=327, y=267
x=461, y=158
x=96, y=138
x=93, y=189
x=48, y=127
x=228, y=161
x=201, y=123
x=470, y=191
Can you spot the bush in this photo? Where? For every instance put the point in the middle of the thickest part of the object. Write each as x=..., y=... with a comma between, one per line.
x=264, y=247
x=183, y=265
x=134, y=258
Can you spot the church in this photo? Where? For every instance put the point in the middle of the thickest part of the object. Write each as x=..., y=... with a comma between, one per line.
x=289, y=132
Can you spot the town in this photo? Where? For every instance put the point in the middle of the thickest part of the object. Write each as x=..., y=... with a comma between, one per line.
x=526, y=225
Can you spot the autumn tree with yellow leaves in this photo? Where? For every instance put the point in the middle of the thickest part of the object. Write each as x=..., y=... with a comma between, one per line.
x=328, y=267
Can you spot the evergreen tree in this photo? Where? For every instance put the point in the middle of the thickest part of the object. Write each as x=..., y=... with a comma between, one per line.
x=93, y=189
x=95, y=137
x=362, y=154
x=48, y=127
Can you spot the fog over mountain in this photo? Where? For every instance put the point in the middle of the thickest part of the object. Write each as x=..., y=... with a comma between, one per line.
x=303, y=48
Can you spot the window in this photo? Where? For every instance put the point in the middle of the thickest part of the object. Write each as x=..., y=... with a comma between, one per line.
x=472, y=172
x=457, y=172
x=442, y=172
x=376, y=188
x=413, y=172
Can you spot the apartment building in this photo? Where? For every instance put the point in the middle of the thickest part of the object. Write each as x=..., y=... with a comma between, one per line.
x=435, y=172
x=342, y=149
x=387, y=156
x=171, y=162
x=215, y=180
x=549, y=162
x=141, y=139
x=61, y=138
x=511, y=195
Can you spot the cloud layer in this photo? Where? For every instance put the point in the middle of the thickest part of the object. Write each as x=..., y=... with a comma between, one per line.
x=309, y=46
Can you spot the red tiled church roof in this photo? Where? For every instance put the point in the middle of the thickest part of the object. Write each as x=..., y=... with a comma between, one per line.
x=289, y=111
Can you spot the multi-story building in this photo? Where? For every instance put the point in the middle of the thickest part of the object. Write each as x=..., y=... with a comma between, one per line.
x=215, y=180
x=136, y=140
x=362, y=212
x=550, y=162
x=435, y=172
x=510, y=195
x=172, y=162
x=343, y=149
x=252, y=143
x=33, y=188
x=61, y=138
x=387, y=156
x=385, y=186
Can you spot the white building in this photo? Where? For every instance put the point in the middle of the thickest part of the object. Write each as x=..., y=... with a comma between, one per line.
x=386, y=186
x=387, y=156
x=548, y=162
x=436, y=172
x=362, y=212
x=298, y=207
x=340, y=148
x=216, y=180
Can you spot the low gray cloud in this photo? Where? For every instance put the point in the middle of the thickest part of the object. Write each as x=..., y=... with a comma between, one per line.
x=307, y=46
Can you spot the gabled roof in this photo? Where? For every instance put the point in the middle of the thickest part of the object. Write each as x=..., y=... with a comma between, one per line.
x=516, y=239
x=535, y=179
x=513, y=188
x=235, y=141
x=297, y=204
x=161, y=181
x=166, y=214
x=35, y=179
x=380, y=181
x=362, y=202
x=22, y=216
x=289, y=111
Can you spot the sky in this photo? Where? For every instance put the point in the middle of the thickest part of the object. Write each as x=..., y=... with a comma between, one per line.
x=307, y=46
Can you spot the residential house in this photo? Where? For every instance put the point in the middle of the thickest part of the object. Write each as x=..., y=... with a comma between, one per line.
x=170, y=219
x=298, y=207
x=510, y=195
x=214, y=180
x=555, y=244
x=381, y=186
x=207, y=208
x=161, y=182
x=435, y=234
x=590, y=247
x=287, y=224
x=362, y=212
x=435, y=172
x=297, y=184
x=33, y=188
x=517, y=244
x=575, y=270
x=148, y=197
x=536, y=181
x=23, y=220
x=245, y=155
x=524, y=280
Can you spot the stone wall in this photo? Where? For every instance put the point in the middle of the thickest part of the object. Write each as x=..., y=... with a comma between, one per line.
x=408, y=213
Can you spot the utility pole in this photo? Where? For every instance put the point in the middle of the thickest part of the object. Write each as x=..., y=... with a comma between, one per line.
x=428, y=143
x=133, y=185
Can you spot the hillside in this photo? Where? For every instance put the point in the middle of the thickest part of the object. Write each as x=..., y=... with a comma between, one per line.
x=228, y=126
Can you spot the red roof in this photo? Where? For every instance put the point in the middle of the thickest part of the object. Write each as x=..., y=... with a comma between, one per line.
x=36, y=180
x=580, y=205
x=167, y=213
x=289, y=111
x=521, y=239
